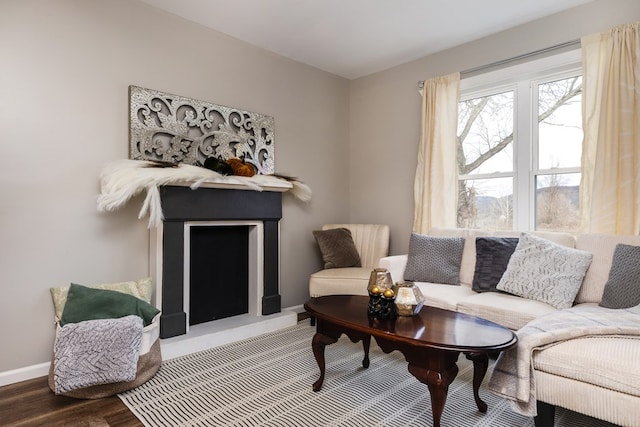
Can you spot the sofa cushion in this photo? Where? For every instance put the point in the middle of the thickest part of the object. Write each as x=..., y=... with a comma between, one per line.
x=492, y=258
x=609, y=362
x=623, y=288
x=443, y=296
x=434, y=259
x=396, y=265
x=602, y=247
x=337, y=248
x=507, y=310
x=618, y=409
x=340, y=281
x=561, y=238
x=545, y=271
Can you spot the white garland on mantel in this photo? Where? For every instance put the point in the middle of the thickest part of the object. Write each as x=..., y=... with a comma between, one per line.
x=123, y=179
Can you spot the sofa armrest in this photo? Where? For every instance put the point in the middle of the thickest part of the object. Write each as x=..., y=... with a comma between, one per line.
x=395, y=264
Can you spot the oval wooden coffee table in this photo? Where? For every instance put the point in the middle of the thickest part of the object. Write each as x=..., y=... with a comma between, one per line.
x=430, y=341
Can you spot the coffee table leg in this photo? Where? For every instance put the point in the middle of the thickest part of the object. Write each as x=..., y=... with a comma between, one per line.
x=480, y=365
x=438, y=383
x=318, y=344
x=366, y=342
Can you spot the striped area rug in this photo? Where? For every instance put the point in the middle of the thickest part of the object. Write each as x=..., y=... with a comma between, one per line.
x=266, y=381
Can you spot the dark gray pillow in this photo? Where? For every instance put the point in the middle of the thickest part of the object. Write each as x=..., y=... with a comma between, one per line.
x=622, y=290
x=337, y=248
x=434, y=259
x=492, y=257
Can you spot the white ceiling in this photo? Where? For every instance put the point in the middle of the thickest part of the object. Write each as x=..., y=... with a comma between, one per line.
x=354, y=38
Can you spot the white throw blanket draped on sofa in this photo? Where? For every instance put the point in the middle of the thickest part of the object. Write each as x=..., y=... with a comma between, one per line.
x=513, y=376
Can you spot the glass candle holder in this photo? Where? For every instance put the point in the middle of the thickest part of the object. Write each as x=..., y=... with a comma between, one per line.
x=379, y=281
x=409, y=298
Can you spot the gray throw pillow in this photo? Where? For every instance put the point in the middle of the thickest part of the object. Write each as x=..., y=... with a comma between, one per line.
x=545, y=271
x=492, y=258
x=622, y=290
x=434, y=259
x=337, y=248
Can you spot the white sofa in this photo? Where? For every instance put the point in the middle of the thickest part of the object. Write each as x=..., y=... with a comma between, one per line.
x=596, y=376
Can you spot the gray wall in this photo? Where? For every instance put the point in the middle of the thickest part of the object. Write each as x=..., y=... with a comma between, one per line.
x=65, y=66
x=385, y=109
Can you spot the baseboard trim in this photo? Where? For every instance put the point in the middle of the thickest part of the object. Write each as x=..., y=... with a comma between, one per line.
x=295, y=308
x=23, y=374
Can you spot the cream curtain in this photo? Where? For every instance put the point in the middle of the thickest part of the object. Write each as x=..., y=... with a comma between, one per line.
x=610, y=187
x=436, y=174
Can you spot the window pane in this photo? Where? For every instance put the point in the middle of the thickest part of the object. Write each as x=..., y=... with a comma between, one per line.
x=485, y=134
x=557, y=202
x=560, y=123
x=485, y=203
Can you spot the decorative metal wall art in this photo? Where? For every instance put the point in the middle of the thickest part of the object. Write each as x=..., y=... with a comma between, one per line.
x=176, y=129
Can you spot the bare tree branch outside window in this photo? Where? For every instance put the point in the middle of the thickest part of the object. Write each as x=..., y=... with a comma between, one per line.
x=485, y=158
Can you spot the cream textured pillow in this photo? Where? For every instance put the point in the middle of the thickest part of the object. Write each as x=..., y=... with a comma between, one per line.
x=545, y=271
x=141, y=289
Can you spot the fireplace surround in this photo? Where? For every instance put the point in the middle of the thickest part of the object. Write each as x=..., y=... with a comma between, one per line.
x=185, y=208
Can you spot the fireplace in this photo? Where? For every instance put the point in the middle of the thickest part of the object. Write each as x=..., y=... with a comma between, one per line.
x=220, y=259
x=231, y=226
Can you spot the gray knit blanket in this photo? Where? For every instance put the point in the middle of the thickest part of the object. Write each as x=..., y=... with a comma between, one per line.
x=96, y=352
x=513, y=376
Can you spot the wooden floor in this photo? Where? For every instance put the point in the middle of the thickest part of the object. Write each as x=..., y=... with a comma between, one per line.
x=32, y=403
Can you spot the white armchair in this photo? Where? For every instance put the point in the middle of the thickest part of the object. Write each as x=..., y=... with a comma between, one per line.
x=372, y=243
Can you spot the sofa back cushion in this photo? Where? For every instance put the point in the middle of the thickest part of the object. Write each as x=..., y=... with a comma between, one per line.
x=468, y=264
x=602, y=247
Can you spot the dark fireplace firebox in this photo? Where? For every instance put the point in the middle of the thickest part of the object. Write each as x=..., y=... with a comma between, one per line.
x=187, y=214
x=218, y=272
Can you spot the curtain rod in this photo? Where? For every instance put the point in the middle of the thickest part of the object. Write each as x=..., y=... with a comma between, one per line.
x=513, y=59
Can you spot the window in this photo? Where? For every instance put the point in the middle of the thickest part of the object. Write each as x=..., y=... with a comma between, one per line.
x=519, y=146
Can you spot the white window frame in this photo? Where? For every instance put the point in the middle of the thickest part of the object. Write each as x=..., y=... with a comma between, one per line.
x=522, y=79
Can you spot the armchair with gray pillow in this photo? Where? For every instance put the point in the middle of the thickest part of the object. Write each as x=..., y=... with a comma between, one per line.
x=349, y=253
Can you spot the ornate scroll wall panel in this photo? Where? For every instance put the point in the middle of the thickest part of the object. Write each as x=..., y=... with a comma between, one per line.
x=176, y=129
